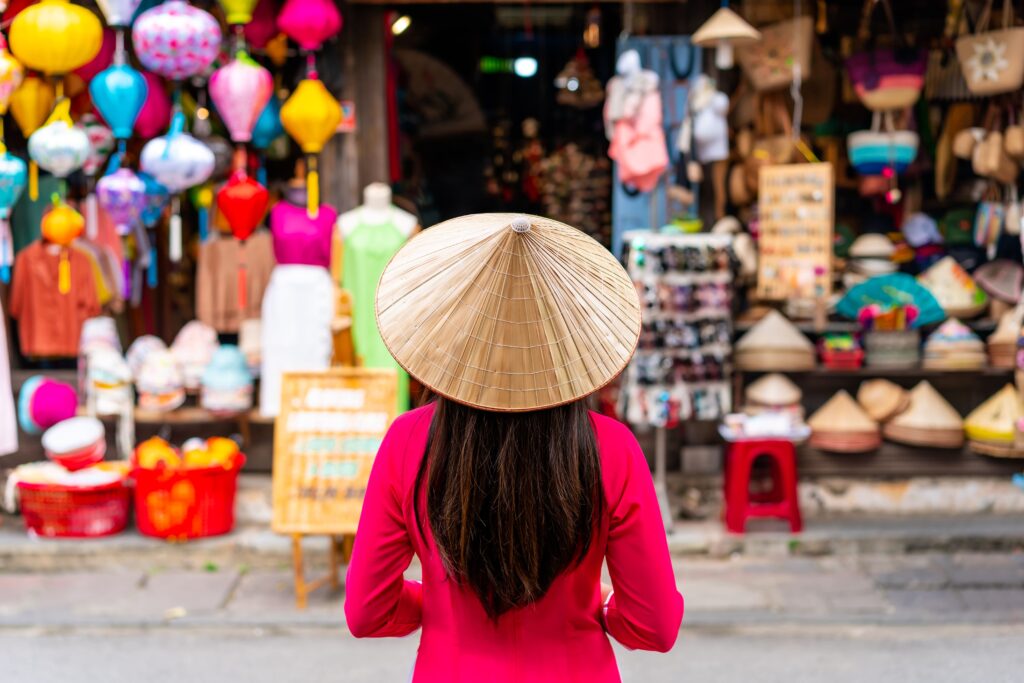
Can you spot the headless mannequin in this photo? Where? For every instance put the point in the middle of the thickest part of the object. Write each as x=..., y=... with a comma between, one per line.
x=377, y=209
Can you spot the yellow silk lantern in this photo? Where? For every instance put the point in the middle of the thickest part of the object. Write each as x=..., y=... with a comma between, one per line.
x=30, y=104
x=55, y=37
x=11, y=76
x=311, y=115
x=62, y=225
x=238, y=11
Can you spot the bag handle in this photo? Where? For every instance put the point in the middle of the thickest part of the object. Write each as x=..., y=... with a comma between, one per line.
x=864, y=33
x=986, y=15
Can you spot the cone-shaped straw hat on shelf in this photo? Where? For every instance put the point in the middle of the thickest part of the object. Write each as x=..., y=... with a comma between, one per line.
x=508, y=312
x=954, y=346
x=994, y=422
x=928, y=421
x=882, y=399
x=957, y=293
x=1002, y=343
x=842, y=426
x=773, y=390
x=723, y=30
x=774, y=343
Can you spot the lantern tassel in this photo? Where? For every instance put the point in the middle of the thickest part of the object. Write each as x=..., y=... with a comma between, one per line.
x=174, y=248
x=6, y=251
x=33, y=181
x=312, y=190
x=204, y=223
x=92, y=216
x=243, y=295
x=64, y=273
x=151, y=272
x=126, y=273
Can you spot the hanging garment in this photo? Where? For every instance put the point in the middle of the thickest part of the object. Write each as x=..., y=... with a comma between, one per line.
x=298, y=308
x=8, y=422
x=217, y=277
x=368, y=248
x=633, y=112
x=50, y=323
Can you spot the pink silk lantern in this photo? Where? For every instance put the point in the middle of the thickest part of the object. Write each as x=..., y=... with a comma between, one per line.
x=263, y=26
x=155, y=115
x=240, y=90
x=309, y=22
x=299, y=239
x=103, y=58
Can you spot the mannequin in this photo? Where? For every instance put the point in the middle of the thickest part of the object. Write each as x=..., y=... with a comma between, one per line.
x=707, y=124
x=371, y=235
x=633, y=124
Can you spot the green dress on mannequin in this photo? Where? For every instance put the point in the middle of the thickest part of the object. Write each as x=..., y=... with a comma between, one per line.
x=368, y=249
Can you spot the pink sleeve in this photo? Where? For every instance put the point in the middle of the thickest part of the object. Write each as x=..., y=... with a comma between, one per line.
x=645, y=608
x=379, y=602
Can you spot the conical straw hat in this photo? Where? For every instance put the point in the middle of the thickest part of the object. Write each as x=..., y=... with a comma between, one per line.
x=842, y=414
x=774, y=390
x=928, y=410
x=881, y=399
x=1008, y=329
x=508, y=312
x=774, y=331
x=996, y=418
x=725, y=25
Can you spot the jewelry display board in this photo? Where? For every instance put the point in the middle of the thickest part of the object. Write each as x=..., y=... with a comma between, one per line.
x=797, y=211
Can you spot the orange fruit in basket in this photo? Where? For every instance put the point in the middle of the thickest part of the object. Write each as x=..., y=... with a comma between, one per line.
x=222, y=451
x=153, y=452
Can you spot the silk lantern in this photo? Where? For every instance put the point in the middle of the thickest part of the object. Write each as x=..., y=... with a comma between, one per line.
x=59, y=147
x=155, y=115
x=12, y=183
x=62, y=225
x=118, y=13
x=176, y=40
x=101, y=143
x=104, y=58
x=268, y=126
x=122, y=194
x=156, y=200
x=238, y=11
x=311, y=115
x=11, y=75
x=240, y=90
x=263, y=25
x=55, y=37
x=119, y=94
x=243, y=202
x=309, y=22
x=31, y=103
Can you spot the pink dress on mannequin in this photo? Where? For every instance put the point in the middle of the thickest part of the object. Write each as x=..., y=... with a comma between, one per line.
x=633, y=111
x=561, y=638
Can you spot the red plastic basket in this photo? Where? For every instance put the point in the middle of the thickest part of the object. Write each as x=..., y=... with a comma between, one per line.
x=62, y=511
x=182, y=504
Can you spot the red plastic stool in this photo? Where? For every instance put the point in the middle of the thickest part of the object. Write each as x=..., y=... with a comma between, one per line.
x=781, y=501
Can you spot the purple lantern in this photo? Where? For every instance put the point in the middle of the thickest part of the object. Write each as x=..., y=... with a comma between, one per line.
x=122, y=194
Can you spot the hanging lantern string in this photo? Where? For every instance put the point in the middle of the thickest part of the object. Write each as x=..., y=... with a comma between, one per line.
x=311, y=65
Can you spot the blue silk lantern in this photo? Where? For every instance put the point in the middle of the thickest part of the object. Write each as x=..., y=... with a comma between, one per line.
x=119, y=93
x=13, y=174
x=268, y=126
x=156, y=199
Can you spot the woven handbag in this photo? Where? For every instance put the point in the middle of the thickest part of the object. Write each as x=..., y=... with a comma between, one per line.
x=993, y=61
x=887, y=78
x=882, y=147
x=769, y=63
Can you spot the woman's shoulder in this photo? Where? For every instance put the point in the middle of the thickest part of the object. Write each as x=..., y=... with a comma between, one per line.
x=616, y=442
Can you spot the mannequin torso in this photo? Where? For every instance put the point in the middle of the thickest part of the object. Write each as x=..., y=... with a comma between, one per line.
x=377, y=209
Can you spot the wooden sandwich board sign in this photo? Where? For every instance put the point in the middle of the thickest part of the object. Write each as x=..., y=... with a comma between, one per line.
x=326, y=436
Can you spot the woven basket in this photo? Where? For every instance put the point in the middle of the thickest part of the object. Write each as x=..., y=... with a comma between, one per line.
x=893, y=349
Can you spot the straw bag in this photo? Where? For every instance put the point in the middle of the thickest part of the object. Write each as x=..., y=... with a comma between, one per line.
x=769, y=63
x=989, y=158
x=872, y=151
x=773, y=142
x=886, y=78
x=993, y=61
x=943, y=80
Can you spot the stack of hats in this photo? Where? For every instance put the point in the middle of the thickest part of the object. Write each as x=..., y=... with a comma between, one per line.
x=882, y=399
x=954, y=289
x=193, y=348
x=227, y=382
x=928, y=421
x=1002, y=280
x=772, y=392
x=76, y=443
x=842, y=426
x=774, y=343
x=1002, y=343
x=954, y=346
x=870, y=255
x=159, y=383
x=140, y=350
x=992, y=427
x=109, y=392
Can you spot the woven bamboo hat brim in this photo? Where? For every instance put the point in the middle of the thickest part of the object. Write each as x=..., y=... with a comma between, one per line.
x=774, y=332
x=881, y=399
x=928, y=410
x=508, y=312
x=842, y=414
x=774, y=390
x=727, y=26
x=995, y=420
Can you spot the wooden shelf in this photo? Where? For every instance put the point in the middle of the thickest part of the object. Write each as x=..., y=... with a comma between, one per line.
x=822, y=371
x=188, y=415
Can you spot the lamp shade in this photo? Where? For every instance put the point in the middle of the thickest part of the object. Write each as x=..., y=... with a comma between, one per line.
x=309, y=22
x=155, y=115
x=119, y=93
x=11, y=75
x=122, y=194
x=243, y=202
x=59, y=147
x=268, y=126
x=62, y=225
x=263, y=25
x=311, y=115
x=104, y=57
x=177, y=160
x=240, y=90
x=31, y=103
x=176, y=40
x=55, y=37
x=13, y=174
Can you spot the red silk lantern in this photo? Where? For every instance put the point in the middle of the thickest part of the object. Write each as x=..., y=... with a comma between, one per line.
x=243, y=202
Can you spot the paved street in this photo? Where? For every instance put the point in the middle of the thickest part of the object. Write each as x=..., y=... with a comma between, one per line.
x=909, y=618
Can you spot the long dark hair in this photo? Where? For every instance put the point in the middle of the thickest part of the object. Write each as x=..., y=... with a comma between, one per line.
x=512, y=499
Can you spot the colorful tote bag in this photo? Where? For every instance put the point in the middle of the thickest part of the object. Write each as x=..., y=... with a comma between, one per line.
x=887, y=78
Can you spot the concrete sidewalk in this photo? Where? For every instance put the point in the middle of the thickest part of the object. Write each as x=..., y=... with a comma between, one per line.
x=880, y=590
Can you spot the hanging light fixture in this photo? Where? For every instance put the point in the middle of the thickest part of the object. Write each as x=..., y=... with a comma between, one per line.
x=722, y=31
